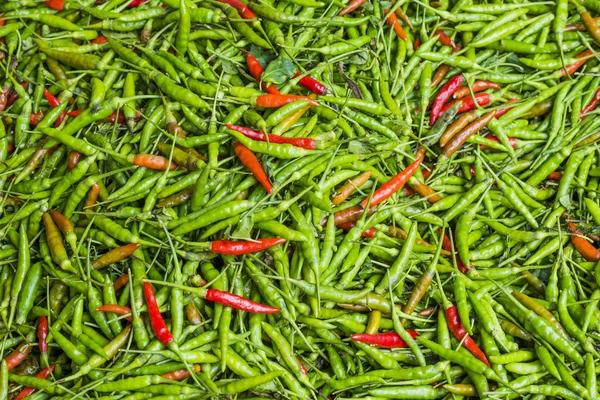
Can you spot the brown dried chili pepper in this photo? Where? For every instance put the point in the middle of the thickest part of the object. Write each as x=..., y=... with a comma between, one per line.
x=346, y=191
x=120, y=282
x=74, y=158
x=181, y=374
x=459, y=139
x=115, y=255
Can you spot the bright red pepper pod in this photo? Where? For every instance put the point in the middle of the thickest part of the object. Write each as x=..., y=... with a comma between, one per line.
x=58, y=5
x=100, y=40
x=280, y=100
x=159, y=325
x=311, y=84
x=36, y=118
x=445, y=39
x=74, y=113
x=239, y=303
x=243, y=247
x=389, y=340
x=42, y=334
x=136, y=3
x=305, y=143
x=444, y=94
x=28, y=391
x=51, y=98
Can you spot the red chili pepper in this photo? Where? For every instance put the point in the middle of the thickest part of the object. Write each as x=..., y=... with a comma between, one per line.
x=369, y=233
x=397, y=182
x=116, y=116
x=42, y=334
x=238, y=302
x=501, y=111
x=389, y=340
x=156, y=320
x=447, y=245
x=417, y=44
x=305, y=143
x=136, y=3
x=477, y=86
x=28, y=391
x=445, y=39
x=592, y=104
x=444, y=94
x=73, y=159
x=353, y=5
x=58, y=5
x=60, y=119
x=2, y=20
x=10, y=147
x=513, y=143
x=243, y=247
x=51, y=98
x=570, y=69
x=251, y=162
x=280, y=100
x=35, y=119
x=311, y=84
x=460, y=333
x=18, y=355
x=74, y=113
x=256, y=70
x=100, y=40
x=393, y=21
x=555, y=176
x=120, y=282
x=116, y=309
x=242, y=8
x=181, y=374
x=585, y=248
x=467, y=103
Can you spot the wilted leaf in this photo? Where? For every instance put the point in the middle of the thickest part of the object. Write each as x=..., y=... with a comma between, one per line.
x=279, y=71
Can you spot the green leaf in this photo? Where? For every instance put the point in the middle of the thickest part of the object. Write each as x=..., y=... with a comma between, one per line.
x=359, y=58
x=359, y=147
x=262, y=56
x=229, y=67
x=244, y=229
x=279, y=71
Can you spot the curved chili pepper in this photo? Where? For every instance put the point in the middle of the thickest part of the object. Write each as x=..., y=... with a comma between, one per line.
x=121, y=282
x=389, y=340
x=444, y=95
x=18, y=355
x=477, y=86
x=393, y=21
x=397, y=182
x=115, y=255
x=251, y=162
x=570, y=69
x=467, y=103
x=116, y=309
x=239, y=303
x=311, y=84
x=305, y=143
x=585, y=248
x=256, y=70
x=53, y=101
x=243, y=247
x=352, y=5
x=592, y=104
x=36, y=118
x=350, y=214
x=242, y=8
x=460, y=138
x=460, y=333
x=74, y=113
x=445, y=39
x=501, y=111
x=439, y=75
x=156, y=320
x=513, y=143
x=28, y=391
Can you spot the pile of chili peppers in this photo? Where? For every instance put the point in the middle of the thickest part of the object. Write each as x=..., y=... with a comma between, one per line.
x=299, y=199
